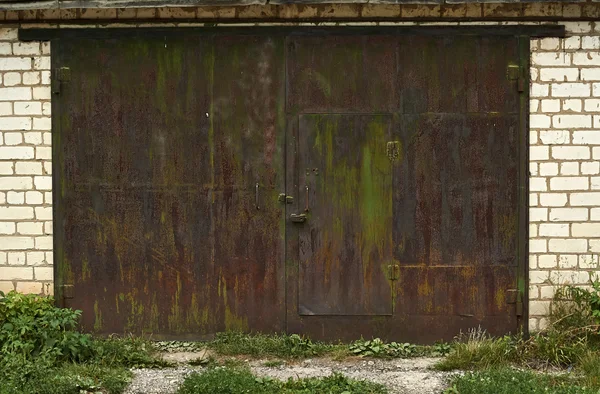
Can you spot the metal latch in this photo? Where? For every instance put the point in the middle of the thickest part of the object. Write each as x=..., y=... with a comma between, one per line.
x=515, y=73
x=68, y=291
x=393, y=150
x=393, y=272
x=286, y=199
x=61, y=75
x=298, y=217
x=513, y=296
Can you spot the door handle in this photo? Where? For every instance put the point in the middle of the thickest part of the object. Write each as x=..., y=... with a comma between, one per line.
x=298, y=217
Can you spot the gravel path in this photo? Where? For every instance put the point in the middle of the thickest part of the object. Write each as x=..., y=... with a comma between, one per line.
x=401, y=376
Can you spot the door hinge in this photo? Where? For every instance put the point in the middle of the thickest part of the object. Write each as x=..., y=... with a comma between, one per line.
x=516, y=73
x=514, y=296
x=67, y=291
x=393, y=272
x=62, y=75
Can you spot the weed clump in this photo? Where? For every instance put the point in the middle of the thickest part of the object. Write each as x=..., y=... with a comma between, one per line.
x=41, y=351
x=238, y=380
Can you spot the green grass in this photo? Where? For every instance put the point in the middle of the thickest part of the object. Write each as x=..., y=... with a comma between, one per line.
x=510, y=381
x=71, y=379
x=263, y=345
x=238, y=380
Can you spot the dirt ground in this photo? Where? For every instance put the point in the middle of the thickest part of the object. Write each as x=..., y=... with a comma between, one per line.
x=400, y=376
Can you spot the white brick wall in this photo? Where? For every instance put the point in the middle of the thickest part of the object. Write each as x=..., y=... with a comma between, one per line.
x=25, y=167
x=564, y=164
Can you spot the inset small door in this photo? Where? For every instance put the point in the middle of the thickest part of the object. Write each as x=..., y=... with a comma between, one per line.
x=344, y=215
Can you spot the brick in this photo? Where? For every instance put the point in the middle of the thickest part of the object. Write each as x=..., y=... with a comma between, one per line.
x=30, y=228
x=595, y=182
x=15, y=197
x=16, y=153
x=538, y=214
x=34, y=197
x=553, y=199
x=572, y=43
x=43, y=213
x=553, y=230
x=13, y=138
x=15, y=93
x=534, y=104
x=585, y=199
x=590, y=74
x=568, y=214
x=538, y=90
x=27, y=48
x=568, y=245
x=569, y=168
x=571, y=152
x=572, y=121
x=590, y=261
x=595, y=245
x=12, y=79
x=536, y=277
x=16, y=258
x=539, y=308
x=547, y=169
x=592, y=105
x=571, y=90
x=34, y=138
x=16, y=243
x=42, y=123
x=43, y=273
x=550, y=43
x=566, y=261
x=590, y=168
x=6, y=108
x=28, y=108
x=9, y=34
x=43, y=153
x=559, y=74
x=581, y=137
x=586, y=59
x=29, y=287
x=15, y=183
x=533, y=171
x=41, y=93
x=41, y=63
x=537, y=184
x=539, y=153
x=578, y=27
x=44, y=242
x=16, y=273
x=538, y=246
x=547, y=261
x=551, y=105
x=11, y=213
x=596, y=153
x=6, y=286
x=569, y=183
x=551, y=59
x=532, y=261
x=573, y=105
x=7, y=228
x=37, y=258
x=15, y=63
x=555, y=137
x=595, y=214
x=28, y=167
x=585, y=230
x=43, y=182
x=533, y=230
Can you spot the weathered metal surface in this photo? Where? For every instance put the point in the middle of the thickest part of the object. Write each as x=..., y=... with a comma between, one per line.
x=455, y=183
x=345, y=186
x=160, y=143
x=337, y=185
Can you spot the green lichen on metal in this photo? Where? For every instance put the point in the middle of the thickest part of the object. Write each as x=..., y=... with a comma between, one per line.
x=97, y=317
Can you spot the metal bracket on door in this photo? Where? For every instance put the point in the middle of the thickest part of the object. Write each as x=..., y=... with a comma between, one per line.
x=393, y=272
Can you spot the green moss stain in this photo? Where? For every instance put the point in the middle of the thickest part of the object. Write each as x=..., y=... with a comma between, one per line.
x=97, y=317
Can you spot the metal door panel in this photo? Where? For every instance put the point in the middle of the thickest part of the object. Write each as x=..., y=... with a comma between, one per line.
x=345, y=189
x=157, y=220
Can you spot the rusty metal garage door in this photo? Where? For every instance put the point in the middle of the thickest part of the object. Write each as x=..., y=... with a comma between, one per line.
x=336, y=184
